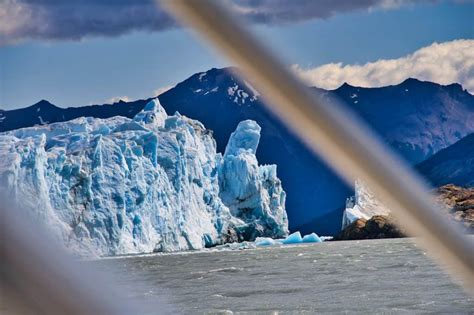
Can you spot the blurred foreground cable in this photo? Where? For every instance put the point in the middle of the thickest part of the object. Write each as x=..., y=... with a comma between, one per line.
x=38, y=277
x=336, y=135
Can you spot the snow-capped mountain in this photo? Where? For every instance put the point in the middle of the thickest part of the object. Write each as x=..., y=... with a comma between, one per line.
x=452, y=165
x=416, y=118
x=151, y=183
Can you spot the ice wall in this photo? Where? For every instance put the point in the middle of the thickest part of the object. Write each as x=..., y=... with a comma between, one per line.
x=362, y=205
x=154, y=183
x=253, y=193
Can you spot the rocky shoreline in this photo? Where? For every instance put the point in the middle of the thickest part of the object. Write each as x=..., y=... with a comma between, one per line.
x=379, y=226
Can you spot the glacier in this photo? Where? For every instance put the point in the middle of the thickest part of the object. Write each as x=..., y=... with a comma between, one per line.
x=154, y=183
x=363, y=205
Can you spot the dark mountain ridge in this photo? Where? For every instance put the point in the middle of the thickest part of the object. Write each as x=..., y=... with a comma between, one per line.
x=417, y=118
x=452, y=165
x=45, y=112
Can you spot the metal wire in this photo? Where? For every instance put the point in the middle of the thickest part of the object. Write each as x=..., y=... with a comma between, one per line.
x=334, y=134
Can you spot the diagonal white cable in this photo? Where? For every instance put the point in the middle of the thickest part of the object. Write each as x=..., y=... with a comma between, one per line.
x=338, y=137
x=37, y=276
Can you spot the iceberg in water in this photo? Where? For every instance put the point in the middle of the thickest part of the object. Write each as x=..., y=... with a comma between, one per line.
x=265, y=241
x=363, y=205
x=152, y=183
x=312, y=238
x=294, y=238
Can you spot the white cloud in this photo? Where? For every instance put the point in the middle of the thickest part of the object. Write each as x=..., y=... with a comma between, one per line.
x=443, y=63
x=125, y=98
x=162, y=90
x=117, y=99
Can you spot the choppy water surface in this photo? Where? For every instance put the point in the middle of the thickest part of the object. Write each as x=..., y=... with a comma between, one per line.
x=377, y=276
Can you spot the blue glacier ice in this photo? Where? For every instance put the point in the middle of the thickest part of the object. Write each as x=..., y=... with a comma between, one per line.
x=311, y=238
x=265, y=241
x=294, y=238
x=151, y=183
x=253, y=193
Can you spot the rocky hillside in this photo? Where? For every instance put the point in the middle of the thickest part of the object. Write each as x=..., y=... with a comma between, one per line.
x=458, y=203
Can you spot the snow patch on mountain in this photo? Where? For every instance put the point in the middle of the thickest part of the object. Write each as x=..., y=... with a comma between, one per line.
x=241, y=96
x=42, y=122
x=255, y=93
x=152, y=183
x=201, y=76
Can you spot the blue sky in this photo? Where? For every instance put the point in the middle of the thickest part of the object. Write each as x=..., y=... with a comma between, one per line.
x=97, y=68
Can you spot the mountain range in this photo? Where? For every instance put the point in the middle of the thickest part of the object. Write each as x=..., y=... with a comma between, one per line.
x=453, y=165
x=417, y=119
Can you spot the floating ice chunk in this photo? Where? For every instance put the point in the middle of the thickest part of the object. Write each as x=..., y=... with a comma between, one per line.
x=265, y=241
x=311, y=238
x=293, y=238
x=234, y=246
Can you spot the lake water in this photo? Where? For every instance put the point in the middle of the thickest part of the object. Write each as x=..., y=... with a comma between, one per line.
x=389, y=276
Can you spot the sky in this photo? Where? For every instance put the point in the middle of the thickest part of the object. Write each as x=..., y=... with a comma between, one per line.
x=91, y=52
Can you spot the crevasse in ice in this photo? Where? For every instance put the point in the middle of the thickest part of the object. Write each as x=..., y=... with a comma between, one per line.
x=152, y=183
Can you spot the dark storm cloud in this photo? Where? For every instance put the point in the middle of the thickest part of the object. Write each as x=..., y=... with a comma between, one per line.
x=76, y=19
x=284, y=11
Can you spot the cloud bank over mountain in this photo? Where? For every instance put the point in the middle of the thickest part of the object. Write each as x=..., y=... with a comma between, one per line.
x=76, y=19
x=443, y=63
